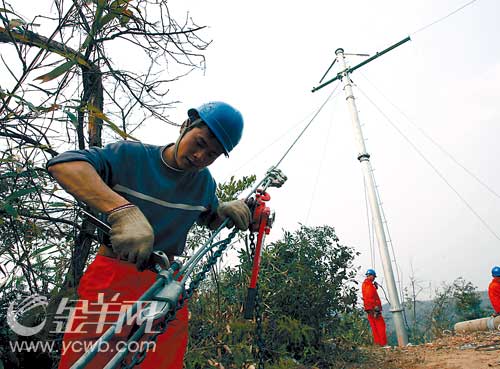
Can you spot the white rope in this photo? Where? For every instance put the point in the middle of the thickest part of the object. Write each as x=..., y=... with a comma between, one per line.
x=319, y=172
x=443, y=18
x=385, y=224
x=417, y=150
x=282, y=136
x=307, y=126
x=433, y=141
x=369, y=223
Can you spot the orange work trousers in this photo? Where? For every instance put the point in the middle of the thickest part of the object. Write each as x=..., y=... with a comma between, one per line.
x=107, y=288
x=378, y=329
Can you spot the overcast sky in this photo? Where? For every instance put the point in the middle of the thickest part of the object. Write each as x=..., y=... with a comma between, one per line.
x=267, y=55
x=265, y=58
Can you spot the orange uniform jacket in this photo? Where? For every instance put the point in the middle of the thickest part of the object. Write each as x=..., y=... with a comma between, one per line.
x=370, y=295
x=494, y=294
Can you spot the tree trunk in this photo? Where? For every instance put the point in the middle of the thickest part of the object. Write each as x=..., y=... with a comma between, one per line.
x=92, y=94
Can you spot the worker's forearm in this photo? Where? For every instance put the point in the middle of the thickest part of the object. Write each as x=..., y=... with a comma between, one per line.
x=80, y=179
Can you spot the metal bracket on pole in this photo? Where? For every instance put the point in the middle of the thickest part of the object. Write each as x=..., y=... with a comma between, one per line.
x=396, y=310
x=364, y=156
x=350, y=70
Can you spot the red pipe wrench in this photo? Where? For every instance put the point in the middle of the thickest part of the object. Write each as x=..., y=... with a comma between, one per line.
x=262, y=221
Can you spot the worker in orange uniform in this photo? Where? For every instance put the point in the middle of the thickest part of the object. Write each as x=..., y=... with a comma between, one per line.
x=373, y=308
x=150, y=196
x=494, y=289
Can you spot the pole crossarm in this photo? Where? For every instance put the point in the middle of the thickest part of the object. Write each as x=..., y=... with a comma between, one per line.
x=350, y=70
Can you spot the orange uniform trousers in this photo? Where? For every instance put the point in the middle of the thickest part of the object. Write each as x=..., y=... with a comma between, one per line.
x=378, y=328
x=106, y=287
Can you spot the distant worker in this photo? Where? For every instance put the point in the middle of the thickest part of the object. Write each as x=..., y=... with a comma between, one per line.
x=373, y=308
x=494, y=289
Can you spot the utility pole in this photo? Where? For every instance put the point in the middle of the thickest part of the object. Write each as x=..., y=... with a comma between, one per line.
x=364, y=159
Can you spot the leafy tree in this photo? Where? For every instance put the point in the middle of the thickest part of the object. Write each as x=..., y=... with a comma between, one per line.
x=307, y=298
x=442, y=315
x=453, y=303
x=65, y=85
x=81, y=86
x=467, y=300
x=414, y=314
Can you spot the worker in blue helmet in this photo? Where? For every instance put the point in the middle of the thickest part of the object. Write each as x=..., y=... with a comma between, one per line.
x=224, y=121
x=494, y=289
x=150, y=196
x=371, y=272
x=224, y=125
x=373, y=308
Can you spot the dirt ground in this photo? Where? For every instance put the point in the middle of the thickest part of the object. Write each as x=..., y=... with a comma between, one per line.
x=474, y=351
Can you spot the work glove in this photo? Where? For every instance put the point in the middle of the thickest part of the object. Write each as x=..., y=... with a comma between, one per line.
x=131, y=235
x=238, y=213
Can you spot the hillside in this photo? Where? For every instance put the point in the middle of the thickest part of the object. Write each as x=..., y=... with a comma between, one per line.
x=473, y=351
x=423, y=312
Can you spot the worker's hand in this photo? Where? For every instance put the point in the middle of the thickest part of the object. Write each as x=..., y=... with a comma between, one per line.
x=238, y=213
x=131, y=235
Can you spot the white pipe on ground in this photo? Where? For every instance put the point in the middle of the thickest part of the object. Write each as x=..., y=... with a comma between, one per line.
x=483, y=324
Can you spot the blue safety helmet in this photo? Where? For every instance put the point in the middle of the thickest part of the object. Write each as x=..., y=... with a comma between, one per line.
x=370, y=272
x=225, y=122
x=495, y=272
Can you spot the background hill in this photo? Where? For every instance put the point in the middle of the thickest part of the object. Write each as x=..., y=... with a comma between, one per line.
x=425, y=312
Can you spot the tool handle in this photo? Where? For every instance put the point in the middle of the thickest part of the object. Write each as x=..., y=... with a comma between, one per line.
x=250, y=303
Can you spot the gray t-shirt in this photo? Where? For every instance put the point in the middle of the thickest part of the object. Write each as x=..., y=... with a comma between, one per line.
x=171, y=200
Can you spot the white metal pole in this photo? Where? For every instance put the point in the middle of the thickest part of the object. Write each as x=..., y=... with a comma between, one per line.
x=364, y=159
